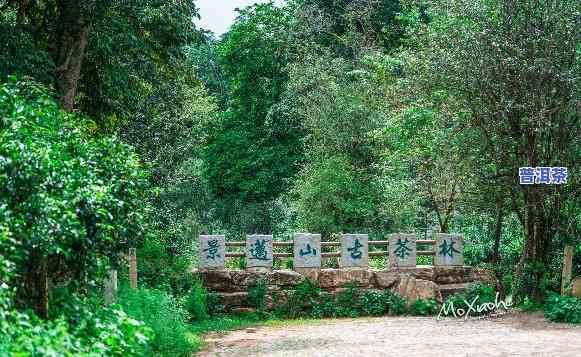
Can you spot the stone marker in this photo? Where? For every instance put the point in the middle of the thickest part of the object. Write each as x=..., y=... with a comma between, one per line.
x=307, y=250
x=576, y=287
x=402, y=250
x=259, y=251
x=354, y=250
x=449, y=250
x=212, y=252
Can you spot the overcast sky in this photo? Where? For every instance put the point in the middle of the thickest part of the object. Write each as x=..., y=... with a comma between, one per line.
x=218, y=15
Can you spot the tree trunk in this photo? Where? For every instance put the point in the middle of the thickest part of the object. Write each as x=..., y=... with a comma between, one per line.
x=537, y=236
x=72, y=39
x=497, y=232
x=35, y=284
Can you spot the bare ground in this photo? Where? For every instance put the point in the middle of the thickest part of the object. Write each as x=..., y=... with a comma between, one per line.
x=514, y=334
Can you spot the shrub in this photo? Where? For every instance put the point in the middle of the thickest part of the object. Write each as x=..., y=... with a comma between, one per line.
x=422, y=307
x=89, y=331
x=197, y=302
x=396, y=304
x=563, y=308
x=347, y=302
x=85, y=194
x=215, y=306
x=374, y=303
x=257, y=294
x=163, y=314
x=325, y=307
x=301, y=300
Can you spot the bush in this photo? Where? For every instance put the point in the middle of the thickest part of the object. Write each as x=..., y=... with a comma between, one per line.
x=374, y=303
x=69, y=200
x=163, y=314
x=257, y=294
x=301, y=301
x=197, y=302
x=347, y=302
x=89, y=331
x=422, y=307
x=563, y=308
x=396, y=304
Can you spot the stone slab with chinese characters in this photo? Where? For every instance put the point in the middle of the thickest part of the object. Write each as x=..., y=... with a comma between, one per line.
x=307, y=250
x=402, y=250
x=449, y=250
x=212, y=252
x=354, y=250
x=259, y=251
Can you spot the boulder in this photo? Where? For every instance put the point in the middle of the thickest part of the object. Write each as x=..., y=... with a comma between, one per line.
x=423, y=272
x=334, y=278
x=386, y=279
x=412, y=289
x=310, y=273
x=453, y=274
x=242, y=279
x=216, y=280
x=576, y=287
x=451, y=289
x=230, y=300
x=285, y=278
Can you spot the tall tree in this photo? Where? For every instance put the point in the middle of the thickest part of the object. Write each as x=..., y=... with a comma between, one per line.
x=515, y=65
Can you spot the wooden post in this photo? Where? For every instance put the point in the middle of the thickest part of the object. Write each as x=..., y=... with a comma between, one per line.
x=133, y=267
x=567, y=268
x=111, y=287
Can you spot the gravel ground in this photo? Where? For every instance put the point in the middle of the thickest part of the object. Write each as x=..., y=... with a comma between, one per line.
x=514, y=334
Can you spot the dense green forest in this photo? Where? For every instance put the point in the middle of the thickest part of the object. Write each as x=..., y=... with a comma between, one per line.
x=125, y=125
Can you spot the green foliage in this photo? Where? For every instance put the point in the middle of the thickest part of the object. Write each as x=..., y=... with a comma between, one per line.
x=347, y=301
x=563, y=309
x=85, y=330
x=301, y=301
x=247, y=157
x=257, y=293
x=164, y=314
x=477, y=293
x=69, y=201
x=197, y=302
x=422, y=307
x=397, y=304
x=374, y=303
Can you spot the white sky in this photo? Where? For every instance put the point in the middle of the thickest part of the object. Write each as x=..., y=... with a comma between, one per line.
x=218, y=15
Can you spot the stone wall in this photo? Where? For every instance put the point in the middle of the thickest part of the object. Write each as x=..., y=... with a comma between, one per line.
x=411, y=283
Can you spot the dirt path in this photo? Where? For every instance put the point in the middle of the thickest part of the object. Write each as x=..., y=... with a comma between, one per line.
x=515, y=334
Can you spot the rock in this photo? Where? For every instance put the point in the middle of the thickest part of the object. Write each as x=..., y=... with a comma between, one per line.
x=412, y=289
x=216, y=280
x=310, y=273
x=454, y=275
x=450, y=289
x=333, y=278
x=576, y=287
x=285, y=278
x=230, y=300
x=245, y=278
x=386, y=279
x=424, y=272
x=250, y=330
x=243, y=310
